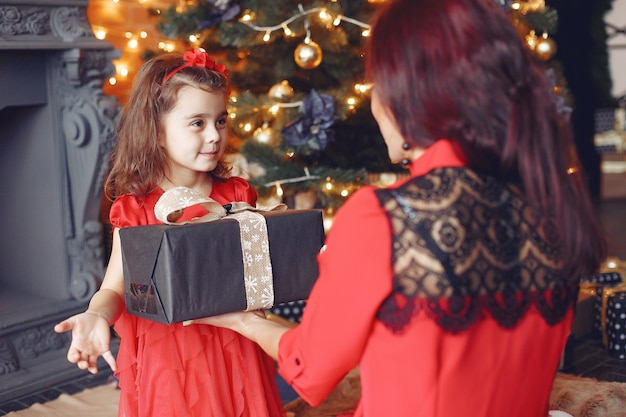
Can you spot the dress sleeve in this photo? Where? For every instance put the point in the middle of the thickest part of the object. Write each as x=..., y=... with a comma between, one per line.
x=234, y=189
x=126, y=211
x=354, y=277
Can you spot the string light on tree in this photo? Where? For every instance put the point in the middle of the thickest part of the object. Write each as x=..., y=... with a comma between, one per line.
x=528, y=6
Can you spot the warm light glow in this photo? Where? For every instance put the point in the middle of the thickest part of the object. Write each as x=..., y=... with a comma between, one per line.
x=344, y=193
x=337, y=20
x=325, y=16
x=279, y=189
x=122, y=70
x=287, y=31
x=166, y=46
x=365, y=33
x=247, y=127
x=363, y=88
x=99, y=32
x=112, y=81
x=193, y=38
x=328, y=186
x=267, y=35
x=143, y=34
x=274, y=109
x=351, y=102
x=232, y=115
x=128, y=35
x=133, y=44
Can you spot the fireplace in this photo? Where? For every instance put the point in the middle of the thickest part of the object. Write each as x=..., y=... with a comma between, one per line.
x=56, y=130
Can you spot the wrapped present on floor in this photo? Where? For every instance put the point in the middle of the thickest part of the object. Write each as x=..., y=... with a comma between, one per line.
x=609, y=276
x=236, y=258
x=614, y=320
x=603, y=278
x=291, y=310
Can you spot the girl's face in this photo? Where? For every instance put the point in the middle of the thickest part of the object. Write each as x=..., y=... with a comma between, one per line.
x=195, y=132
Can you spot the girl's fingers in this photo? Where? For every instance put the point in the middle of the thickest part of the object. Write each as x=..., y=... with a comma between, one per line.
x=108, y=357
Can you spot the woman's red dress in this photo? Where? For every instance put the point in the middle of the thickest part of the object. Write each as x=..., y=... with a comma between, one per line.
x=425, y=371
x=190, y=371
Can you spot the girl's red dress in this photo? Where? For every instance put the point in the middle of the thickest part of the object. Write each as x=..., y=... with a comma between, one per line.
x=190, y=371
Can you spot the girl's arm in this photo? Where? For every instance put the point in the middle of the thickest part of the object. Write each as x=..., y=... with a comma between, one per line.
x=91, y=333
x=108, y=302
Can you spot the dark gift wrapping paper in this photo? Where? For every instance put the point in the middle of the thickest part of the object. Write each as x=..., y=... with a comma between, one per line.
x=594, y=286
x=291, y=311
x=614, y=320
x=604, y=278
x=174, y=273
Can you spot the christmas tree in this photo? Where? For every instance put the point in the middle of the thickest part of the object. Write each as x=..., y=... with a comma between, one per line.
x=300, y=107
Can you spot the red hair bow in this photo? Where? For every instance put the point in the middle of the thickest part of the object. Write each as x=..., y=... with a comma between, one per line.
x=198, y=58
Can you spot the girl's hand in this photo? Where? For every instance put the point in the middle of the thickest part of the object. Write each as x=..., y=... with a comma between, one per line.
x=91, y=337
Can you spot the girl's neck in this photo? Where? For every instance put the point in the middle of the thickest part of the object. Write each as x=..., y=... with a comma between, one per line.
x=202, y=184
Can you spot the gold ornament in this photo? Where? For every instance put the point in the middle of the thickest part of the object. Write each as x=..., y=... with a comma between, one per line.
x=281, y=92
x=308, y=55
x=266, y=135
x=545, y=48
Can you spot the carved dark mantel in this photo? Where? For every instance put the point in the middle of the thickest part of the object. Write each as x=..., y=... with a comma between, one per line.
x=56, y=130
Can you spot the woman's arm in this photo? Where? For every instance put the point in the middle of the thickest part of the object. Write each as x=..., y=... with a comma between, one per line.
x=265, y=330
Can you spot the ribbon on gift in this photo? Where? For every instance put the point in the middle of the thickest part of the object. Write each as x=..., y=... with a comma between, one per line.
x=257, y=265
x=607, y=292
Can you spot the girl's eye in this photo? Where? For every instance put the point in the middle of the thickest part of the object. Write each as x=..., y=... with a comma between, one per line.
x=197, y=123
x=221, y=122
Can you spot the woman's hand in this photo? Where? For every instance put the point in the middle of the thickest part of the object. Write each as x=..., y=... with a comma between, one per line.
x=234, y=321
x=251, y=324
x=91, y=337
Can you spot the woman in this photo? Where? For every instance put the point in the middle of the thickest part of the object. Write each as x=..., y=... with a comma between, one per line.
x=453, y=290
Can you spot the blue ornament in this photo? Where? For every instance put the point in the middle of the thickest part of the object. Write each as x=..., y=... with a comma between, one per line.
x=312, y=128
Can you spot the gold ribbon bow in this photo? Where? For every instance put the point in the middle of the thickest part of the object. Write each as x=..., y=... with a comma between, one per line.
x=607, y=292
x=259, y=282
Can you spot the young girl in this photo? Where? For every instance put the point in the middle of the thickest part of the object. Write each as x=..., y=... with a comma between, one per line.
x=172, y=133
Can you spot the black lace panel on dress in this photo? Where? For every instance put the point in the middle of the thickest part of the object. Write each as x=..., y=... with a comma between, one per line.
x=464, y=246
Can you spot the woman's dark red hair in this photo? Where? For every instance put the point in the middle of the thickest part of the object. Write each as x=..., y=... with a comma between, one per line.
x=458, y=69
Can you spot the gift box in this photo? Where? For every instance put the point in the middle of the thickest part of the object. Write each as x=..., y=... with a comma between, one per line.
x=174, y=273
x=604, y=278
x=291, y=311
x=614, y=320
x=595, y=285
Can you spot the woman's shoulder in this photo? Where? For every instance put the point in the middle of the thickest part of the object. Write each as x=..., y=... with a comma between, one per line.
x=362, y=202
